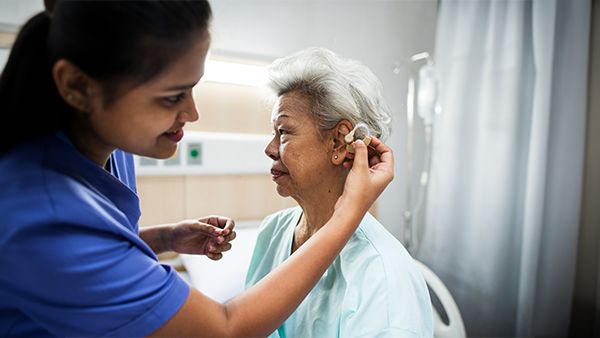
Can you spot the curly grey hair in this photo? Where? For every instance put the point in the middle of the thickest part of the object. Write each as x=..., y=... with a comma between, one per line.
x=341, y=89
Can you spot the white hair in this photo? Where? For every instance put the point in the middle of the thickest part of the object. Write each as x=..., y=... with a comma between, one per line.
x=340, y=89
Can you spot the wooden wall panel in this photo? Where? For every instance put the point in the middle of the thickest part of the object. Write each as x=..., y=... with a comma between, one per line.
x=241, y=197
x=231, y=109
x=7, y=39
x=161, y=199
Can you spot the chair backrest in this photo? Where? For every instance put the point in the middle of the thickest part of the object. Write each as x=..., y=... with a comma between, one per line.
x=455, y=327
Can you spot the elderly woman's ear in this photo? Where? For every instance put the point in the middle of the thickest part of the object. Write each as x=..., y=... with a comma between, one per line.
x=339, y=146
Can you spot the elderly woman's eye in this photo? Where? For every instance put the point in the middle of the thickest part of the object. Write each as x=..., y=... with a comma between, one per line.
x=281, y=131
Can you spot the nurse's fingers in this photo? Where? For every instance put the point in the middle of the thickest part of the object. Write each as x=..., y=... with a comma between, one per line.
x=217, y=248
x=230, y=237
x=229, y=223
x=215, y=251
x=224, y=225
x=214, y=256
x=201, y=228
x=376, y=149
x=384, y=160
x=221, y=238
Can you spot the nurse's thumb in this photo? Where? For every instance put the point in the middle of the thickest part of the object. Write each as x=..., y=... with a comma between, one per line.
x=361, y=156
x=207, y=229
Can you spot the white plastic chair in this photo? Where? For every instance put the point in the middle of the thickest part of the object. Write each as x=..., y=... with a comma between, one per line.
x=455, y=327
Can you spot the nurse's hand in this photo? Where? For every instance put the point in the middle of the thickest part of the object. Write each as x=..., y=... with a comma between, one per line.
x=372, y=170
x=210, y=236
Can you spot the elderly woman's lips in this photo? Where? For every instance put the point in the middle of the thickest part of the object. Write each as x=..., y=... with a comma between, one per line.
x=276, y=173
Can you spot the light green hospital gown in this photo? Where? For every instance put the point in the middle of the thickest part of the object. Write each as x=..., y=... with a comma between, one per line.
x=372, y=289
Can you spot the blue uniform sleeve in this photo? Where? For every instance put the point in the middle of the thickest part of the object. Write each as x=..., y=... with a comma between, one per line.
x=73, y=269
x=77, y=281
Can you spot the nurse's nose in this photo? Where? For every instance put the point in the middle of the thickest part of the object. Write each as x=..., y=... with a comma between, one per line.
x=189, y=113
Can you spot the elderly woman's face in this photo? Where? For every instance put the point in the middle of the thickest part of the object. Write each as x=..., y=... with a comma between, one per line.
x=301, y=158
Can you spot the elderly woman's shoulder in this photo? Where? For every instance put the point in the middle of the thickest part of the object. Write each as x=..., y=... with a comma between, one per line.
x=373, y=231
x=373, y=242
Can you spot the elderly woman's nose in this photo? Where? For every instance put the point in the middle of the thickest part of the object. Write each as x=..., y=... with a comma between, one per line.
x=272, y=151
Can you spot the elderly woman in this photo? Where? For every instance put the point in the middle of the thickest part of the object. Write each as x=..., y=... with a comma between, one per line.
x=373, y=288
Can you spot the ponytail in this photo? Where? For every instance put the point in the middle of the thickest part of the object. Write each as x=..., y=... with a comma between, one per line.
x=30, y=102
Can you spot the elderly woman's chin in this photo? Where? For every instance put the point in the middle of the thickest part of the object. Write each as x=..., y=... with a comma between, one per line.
x=283, y=191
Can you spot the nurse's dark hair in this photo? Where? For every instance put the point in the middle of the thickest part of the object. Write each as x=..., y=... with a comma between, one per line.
x=121, y=44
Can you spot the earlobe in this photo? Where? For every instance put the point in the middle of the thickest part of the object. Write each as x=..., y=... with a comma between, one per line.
x=74, y=86
x=338, y=157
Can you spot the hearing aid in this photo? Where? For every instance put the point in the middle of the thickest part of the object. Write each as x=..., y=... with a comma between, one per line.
x=360, y=132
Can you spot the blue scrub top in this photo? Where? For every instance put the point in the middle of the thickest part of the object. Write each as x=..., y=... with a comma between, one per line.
x=71, y=258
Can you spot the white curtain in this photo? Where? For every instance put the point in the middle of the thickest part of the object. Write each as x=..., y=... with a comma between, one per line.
x=503, y=203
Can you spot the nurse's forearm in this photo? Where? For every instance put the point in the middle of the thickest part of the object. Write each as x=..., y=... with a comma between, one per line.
x=156, y=237
x=262, y=308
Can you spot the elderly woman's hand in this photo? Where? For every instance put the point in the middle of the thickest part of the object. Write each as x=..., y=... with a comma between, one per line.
x=208, y=236
x=372, y=170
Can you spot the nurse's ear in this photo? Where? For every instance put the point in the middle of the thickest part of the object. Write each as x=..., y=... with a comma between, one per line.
x=342, y=129
x=75, y=87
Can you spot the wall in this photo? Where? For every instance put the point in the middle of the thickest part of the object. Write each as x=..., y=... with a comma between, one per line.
x=13, y=14
x=17, y=12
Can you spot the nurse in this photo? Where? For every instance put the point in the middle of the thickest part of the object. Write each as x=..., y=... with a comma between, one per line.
x=86, y=83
